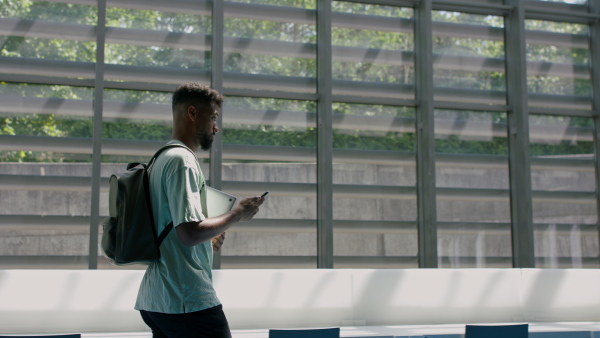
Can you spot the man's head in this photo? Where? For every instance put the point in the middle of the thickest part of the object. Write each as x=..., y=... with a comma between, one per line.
x=195, y=112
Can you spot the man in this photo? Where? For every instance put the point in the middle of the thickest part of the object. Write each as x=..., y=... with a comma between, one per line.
x=176, y=296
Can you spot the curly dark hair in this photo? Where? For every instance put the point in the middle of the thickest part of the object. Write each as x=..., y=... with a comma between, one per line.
x=193, y=93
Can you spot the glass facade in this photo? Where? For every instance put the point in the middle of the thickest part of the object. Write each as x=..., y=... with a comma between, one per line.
x=47, y=151
x=561, y=144
x=270, y=145
x=563, y=184
x=468, y=58
x=389, y=134
x=473, y=201
x=372, y=50
x=374, y=177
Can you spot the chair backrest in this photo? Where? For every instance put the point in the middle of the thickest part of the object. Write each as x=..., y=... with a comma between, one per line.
x=497, y=331
x=305, y=333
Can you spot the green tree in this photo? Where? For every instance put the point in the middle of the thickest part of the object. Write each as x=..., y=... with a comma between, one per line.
x=265, y=63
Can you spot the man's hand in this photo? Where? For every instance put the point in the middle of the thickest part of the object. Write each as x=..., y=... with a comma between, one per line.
x=217, y=242
x=248, y=207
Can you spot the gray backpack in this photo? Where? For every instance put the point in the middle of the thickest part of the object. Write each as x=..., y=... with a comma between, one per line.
x=130, y=235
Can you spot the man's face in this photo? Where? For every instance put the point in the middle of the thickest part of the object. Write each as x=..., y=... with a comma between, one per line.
x=206, y=126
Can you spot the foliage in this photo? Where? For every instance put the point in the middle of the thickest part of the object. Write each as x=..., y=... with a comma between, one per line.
x=259, y=62
x=307, y=4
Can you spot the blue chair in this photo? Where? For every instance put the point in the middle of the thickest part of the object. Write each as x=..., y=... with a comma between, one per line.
x=308, y=333
x=497, y=331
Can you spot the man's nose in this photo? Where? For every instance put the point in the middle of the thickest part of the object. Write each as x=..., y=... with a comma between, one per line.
x=216, y=128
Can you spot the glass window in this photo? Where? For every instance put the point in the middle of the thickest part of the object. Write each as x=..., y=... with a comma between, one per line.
x=50, y=11
x=34, y=41
x=132, y=118
x=45, y=132
x=563, y=184
x=468, y=58
x=269, y=134
x=269, y=45
x=307, y=4
x=558, y=65
x=374, y=205
x=45, y=152
x=372, y=50
x=473, y=202
x=270, y=145
x=145, y=45
x=577, y=2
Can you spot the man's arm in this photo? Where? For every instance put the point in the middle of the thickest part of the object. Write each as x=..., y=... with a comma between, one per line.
x=194, y=233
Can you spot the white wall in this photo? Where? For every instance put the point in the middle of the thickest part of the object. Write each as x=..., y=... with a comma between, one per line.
x=34, y=301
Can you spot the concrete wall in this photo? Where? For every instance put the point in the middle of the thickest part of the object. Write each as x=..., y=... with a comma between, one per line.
x=453, y=243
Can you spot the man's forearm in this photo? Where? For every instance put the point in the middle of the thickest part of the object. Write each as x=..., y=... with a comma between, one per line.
x=194, y=233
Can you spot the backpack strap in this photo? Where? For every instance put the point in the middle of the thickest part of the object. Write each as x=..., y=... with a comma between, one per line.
x=164, y=234
x=168, y=146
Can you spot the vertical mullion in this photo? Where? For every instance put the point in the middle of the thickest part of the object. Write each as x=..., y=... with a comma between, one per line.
x=216, y=158
x=595, y=58
x=324, y=138
x=518, y=141
x=426, y=197
x=97, y=136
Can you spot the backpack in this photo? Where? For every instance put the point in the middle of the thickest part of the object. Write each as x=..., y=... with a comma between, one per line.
x=130, y=235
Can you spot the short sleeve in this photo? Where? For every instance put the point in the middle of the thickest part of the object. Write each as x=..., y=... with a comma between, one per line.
x=183, y=192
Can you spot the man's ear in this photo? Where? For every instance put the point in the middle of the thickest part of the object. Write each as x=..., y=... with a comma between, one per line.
x=191, y=112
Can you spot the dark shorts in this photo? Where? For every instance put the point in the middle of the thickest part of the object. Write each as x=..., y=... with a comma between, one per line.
x=206, y=323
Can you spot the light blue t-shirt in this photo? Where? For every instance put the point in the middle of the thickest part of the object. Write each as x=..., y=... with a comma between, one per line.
x=181, y=281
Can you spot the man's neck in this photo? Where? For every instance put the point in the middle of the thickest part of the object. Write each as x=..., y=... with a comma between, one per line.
x=187, y=141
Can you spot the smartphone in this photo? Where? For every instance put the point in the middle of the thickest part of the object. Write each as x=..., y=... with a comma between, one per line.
x=265, y=194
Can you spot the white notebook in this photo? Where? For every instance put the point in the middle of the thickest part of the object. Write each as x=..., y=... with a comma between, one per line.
x=218, y=202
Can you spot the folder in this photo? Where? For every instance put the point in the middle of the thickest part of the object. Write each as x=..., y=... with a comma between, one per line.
x=218, y=202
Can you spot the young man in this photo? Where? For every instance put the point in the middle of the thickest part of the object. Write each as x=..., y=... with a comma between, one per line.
x=176, y=297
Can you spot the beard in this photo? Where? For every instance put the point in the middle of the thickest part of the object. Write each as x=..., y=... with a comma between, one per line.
x=206, y=140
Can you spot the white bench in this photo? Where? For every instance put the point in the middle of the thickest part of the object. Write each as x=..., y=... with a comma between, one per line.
x=80, y=301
